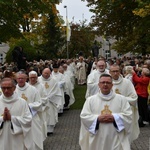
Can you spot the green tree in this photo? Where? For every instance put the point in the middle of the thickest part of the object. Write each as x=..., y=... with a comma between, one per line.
x=27, y=48
x=143, y=9
x=16, y=16
x=53, y=39
x=82, y=38
x=116, y=18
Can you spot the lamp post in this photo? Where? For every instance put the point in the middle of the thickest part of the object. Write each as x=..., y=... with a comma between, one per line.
x=66, y=29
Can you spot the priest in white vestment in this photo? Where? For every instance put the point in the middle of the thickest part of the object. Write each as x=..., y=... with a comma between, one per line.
x=33, y=80
x=54, y=98
x=68, y=88
x=106, y=117
x=93, y=78
x=125, y=87
x=15, y=119
x=81, y=67
x=69, y=73
x=31, y=95
x=61, y=83
x=72, y=68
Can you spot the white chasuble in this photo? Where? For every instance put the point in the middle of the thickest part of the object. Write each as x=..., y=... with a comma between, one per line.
x=15, y=134
x=40, y=88
x=107, y=137
x=125, y=87
x=31, y=95
x=54, y=97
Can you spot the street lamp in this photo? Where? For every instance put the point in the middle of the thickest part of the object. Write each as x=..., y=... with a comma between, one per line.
x=66, y=29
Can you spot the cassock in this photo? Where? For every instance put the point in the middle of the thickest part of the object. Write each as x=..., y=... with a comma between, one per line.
x=31, y=95
x=125, y=87
x=54, y=98
x=92, y=82
x=15, y=134
x=108, y=136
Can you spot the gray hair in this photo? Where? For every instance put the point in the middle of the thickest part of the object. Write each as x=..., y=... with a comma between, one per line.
x=33, y=72
x=21, y=72
x=146, y=71
x=128, y=69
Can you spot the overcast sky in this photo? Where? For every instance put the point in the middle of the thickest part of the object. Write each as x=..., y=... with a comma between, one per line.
x=76, y=9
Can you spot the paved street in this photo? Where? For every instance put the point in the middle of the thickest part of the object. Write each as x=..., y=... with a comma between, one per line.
x=66, y=134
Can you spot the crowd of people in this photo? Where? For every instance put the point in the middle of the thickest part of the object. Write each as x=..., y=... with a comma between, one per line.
x=32, y=99
x=116, y=104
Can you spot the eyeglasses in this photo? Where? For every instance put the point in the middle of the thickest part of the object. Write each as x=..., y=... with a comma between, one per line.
x=104, y=83
x=8, y=88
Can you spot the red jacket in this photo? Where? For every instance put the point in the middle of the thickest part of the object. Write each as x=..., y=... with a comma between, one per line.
x=141, y=84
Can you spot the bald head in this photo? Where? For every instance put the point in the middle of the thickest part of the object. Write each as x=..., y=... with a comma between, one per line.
x=46, y=73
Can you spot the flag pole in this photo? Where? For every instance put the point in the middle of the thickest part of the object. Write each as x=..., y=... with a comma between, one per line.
x=67, y=32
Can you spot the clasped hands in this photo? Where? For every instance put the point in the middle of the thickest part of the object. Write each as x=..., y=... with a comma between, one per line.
x=6, y=115
x=108, y=118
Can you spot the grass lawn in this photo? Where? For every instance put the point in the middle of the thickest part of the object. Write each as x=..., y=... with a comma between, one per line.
x=79, y=94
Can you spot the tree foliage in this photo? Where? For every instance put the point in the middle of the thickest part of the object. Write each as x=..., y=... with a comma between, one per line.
x=17, y=15
x=82, y=38
x=120, y=19
x=143, y=9
x=53, y=39
x=27, y=48
x=34, y=22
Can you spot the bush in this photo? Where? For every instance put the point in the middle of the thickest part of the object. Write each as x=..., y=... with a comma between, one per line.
x=28, y=49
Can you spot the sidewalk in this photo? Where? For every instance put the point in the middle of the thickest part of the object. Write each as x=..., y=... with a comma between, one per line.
x=66, y=134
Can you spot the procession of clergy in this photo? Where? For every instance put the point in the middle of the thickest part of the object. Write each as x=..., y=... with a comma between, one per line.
x=29, y=109
x=30, y=106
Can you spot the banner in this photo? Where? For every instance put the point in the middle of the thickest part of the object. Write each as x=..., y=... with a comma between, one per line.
x=68, y=31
